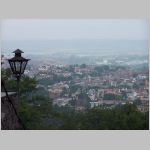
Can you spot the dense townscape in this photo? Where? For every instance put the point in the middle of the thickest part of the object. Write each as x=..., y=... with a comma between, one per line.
x=82, y=87
x=87, y=86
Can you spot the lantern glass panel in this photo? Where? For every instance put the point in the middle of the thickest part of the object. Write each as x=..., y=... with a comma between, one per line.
x=23, y=66
x=12, y=66
x=17, y=65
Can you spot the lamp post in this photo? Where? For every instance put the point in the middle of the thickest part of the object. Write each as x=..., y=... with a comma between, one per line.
x=18, y=65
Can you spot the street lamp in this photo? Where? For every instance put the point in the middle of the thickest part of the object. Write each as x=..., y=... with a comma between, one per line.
x=18, y=65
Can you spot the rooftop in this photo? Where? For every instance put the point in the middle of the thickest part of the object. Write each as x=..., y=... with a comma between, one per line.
x=18, y=51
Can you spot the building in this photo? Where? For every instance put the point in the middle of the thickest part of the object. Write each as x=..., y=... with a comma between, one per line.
x=61, y=101
x=143, y=108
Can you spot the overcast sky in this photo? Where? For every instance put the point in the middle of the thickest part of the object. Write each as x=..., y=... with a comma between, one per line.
x=32, y=29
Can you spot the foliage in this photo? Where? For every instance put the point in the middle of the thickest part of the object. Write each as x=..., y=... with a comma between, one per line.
x=6, y=73
x=33, y=113
x=124, y=118
x=56, y=78
x=27, y=84
x=120, y=118
x=102, y=69
x=110, y=96
x=74, y=88
x=83, y=66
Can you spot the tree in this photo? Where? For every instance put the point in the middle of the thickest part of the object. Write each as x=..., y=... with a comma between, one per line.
x=26, y=83
x=33, y=113
x=83, y=66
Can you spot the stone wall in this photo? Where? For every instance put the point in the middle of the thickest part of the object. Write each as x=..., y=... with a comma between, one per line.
x=9, y=119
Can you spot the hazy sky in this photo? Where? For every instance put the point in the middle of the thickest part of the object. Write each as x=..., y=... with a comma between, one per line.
x=32, y=29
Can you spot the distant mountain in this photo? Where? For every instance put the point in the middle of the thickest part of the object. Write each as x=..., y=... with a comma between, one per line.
x=79, y=46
